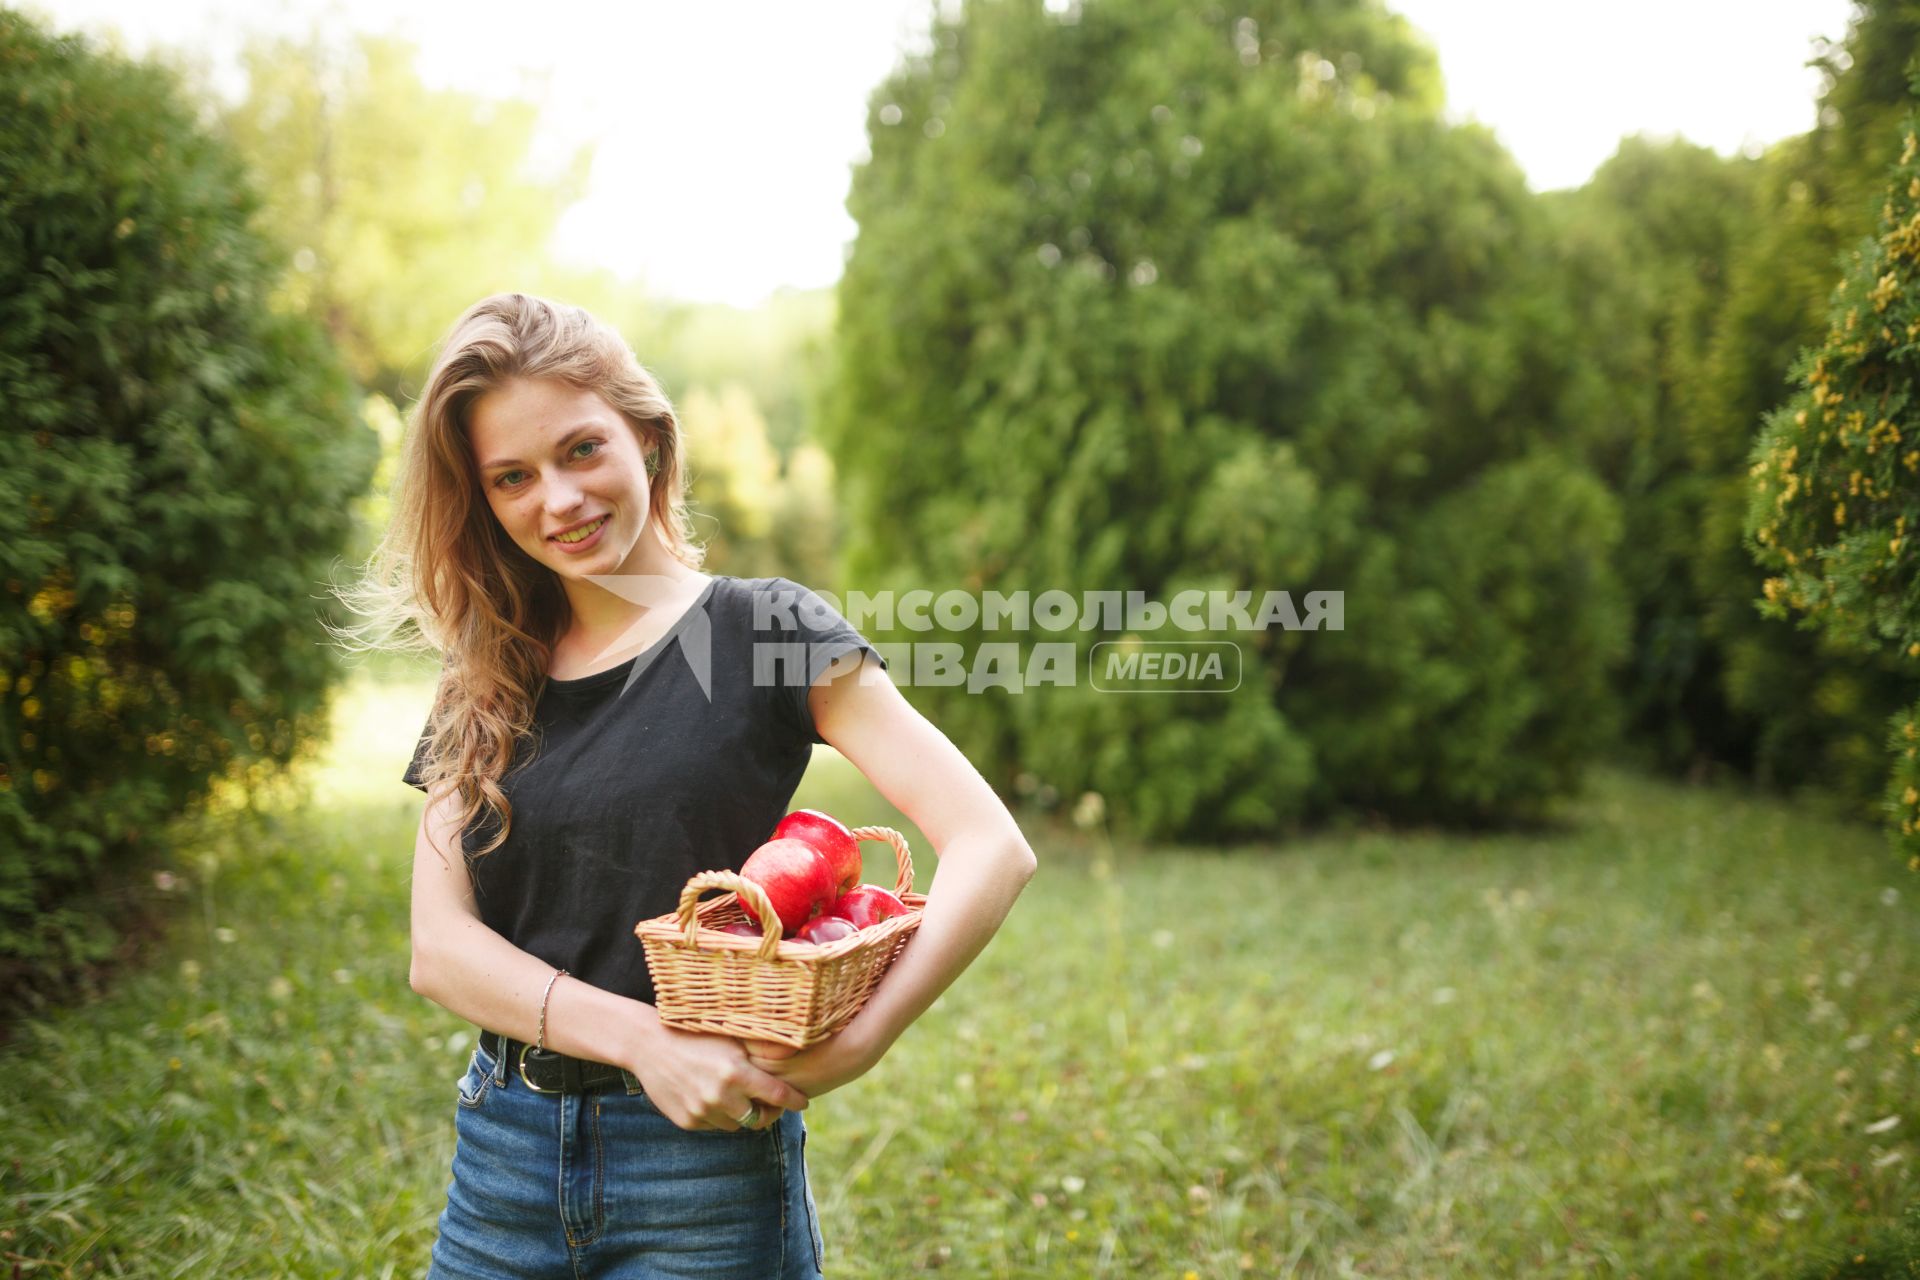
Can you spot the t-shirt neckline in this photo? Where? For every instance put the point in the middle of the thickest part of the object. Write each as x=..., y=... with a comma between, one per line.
x=587, y=683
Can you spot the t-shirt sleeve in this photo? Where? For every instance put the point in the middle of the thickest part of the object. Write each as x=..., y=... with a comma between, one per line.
x=412, y=777
x=800, y=617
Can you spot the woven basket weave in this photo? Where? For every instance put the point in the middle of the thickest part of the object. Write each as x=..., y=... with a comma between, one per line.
x=796, y=993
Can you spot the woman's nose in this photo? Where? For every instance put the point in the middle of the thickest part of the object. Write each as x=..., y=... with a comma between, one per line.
x=561, y=497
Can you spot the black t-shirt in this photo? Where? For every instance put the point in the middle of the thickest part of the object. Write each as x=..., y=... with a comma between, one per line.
x=638, y=777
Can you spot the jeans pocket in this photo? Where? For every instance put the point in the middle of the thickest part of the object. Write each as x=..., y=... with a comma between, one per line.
x=637, y=1094
x=478, y=1079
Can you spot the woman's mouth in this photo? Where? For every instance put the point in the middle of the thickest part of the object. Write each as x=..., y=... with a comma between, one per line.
x=579, y=539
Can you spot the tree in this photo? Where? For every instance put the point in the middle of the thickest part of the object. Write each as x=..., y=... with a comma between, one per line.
x=1650, y=247
x=1157, y=298
x=399, y=205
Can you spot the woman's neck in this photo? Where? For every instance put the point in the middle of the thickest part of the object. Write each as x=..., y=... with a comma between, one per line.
x=604, y=605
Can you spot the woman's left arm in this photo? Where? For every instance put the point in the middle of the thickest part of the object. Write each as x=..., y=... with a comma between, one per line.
x=984, y=864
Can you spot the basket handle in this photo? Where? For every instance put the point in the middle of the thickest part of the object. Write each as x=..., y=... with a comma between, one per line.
x=903, y=884
x=690, y=896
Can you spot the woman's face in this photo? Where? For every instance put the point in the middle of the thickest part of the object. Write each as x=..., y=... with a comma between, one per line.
x=558, y=462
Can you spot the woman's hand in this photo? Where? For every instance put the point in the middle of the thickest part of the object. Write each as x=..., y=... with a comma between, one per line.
x=704, y=1081
x=821, y=1068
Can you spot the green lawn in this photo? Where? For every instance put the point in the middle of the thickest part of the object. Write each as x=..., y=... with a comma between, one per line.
x=1679, y=1037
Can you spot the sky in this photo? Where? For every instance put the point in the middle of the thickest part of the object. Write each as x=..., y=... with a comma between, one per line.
x=725, y=134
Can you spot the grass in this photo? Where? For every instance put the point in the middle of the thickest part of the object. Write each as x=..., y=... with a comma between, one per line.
x=1666, y=1040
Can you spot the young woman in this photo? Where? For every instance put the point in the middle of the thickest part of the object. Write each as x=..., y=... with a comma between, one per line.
x=609, y=721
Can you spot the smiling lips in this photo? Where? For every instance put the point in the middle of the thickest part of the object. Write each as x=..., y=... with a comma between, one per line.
x=579, y=533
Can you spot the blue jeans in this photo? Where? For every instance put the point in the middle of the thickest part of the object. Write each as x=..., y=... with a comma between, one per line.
x=604, y=1187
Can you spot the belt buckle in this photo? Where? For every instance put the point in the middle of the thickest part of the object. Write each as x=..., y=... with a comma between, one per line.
x=522, y=1064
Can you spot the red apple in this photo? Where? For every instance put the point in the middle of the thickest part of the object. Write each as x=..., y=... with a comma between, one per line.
x=795, y=878
x=866, y=904
x=831, y=837
x=826, y=929
x=741, y=928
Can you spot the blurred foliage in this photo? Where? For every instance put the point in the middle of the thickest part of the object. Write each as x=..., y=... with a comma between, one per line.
x=181, y=456
x=1646, y=247
x=776, y=352
x=1149, y=297
x=757, y=516
x=399, y=205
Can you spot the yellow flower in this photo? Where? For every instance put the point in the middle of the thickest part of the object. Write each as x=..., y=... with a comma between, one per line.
x=1885, y=291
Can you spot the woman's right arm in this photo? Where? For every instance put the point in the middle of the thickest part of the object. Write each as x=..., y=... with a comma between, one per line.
x=697, y=1081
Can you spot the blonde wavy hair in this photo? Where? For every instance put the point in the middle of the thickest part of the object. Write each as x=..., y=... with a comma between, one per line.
x=446, y=578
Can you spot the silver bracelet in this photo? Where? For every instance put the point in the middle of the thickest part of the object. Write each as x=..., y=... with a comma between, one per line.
x=542, y=1045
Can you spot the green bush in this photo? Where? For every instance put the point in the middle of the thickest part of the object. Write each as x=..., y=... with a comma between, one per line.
x=181, y=462
x=1835, y=479
x=1812, y=710
x=1153, y=298
x=1808, y=709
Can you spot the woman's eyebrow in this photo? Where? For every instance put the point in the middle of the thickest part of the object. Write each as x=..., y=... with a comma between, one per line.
x=560, y=444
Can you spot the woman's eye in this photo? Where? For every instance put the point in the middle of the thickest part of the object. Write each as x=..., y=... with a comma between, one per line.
x=509, y=479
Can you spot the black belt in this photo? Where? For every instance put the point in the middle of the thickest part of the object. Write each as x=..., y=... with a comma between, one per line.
x=544, y=1071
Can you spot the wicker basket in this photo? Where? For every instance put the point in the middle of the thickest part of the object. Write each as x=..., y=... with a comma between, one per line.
x=796, y=993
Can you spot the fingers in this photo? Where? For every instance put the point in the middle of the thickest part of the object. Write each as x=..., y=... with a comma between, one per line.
x=769, y=1050
x=763, y=1117
x=771, y=1090
x=731, y=1086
